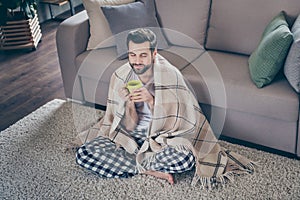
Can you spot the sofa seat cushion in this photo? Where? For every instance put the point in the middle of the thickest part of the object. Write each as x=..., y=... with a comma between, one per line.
x=277, y=100
x=94, y=71
x=98, y=64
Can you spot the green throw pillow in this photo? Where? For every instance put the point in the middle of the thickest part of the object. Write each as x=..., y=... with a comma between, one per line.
x=268, y=58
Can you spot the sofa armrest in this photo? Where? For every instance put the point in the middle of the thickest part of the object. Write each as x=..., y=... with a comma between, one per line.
x=71, y=40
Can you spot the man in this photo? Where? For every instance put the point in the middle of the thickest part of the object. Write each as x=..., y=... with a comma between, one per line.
x=158, y=129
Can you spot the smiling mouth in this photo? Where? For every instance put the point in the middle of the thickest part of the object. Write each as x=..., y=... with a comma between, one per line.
x=138, y=66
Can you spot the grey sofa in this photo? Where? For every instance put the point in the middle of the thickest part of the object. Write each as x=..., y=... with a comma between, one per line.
x=229, y=30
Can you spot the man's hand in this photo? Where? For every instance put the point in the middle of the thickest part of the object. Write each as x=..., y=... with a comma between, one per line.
x=142, y=95
x=124, y=93
x=130, y=119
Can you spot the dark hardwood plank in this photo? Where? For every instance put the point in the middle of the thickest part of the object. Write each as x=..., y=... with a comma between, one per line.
x=29, y=79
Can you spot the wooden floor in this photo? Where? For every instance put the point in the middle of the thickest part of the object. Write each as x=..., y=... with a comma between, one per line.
x=29, y=79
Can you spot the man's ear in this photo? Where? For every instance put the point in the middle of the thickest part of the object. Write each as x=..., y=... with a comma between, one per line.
x=154, y=52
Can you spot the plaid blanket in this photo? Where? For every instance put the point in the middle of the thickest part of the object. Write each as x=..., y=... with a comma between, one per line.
x=177, y=120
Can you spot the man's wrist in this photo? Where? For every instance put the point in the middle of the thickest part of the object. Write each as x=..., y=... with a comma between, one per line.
x=129, y=104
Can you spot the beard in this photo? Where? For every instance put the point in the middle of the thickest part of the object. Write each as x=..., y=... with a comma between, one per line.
x=141, y=69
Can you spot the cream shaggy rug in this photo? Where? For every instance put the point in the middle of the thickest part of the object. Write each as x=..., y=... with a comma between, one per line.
x=34, y=165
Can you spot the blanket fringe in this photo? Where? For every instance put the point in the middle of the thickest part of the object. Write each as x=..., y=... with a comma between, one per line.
x=181, y=148
x=209, y=183
x=249, y=168
x=139, y=168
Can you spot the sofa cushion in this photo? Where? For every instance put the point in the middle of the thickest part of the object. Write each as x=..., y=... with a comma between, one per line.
x=94, y=70
x=292, y=63
x=124, y=18
x=277, y=100
x=296, y=25
x=180, y=56
x=188, y=18
x=99, y=28
x=266, y=61
x=98, y=64
x=237, y=25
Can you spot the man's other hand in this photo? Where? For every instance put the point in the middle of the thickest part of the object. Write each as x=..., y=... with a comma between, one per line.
x=142, y=95
x=124, y=93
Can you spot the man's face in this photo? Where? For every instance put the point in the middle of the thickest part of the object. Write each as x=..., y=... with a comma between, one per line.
x=140, y=57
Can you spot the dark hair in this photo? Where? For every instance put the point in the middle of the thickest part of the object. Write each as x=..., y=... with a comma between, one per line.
x=142, y=35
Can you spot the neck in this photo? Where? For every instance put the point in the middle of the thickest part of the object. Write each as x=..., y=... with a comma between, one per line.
x=145, y=78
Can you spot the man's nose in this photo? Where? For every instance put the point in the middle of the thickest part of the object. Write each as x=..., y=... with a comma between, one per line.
x=138, y=60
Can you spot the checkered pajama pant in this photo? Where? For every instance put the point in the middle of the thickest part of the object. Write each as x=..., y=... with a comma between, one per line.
x=102, y=157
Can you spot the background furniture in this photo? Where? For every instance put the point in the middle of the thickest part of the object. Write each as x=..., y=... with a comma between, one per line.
x=45, y=13
x=20, y=34
x=58, y=3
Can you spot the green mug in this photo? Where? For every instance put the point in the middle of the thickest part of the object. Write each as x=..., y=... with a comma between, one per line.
x=134, y=85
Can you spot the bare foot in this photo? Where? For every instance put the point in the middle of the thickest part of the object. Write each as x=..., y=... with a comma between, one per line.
x=161, y=175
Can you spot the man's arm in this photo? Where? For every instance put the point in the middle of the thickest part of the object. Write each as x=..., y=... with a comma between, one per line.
x=130, y=119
